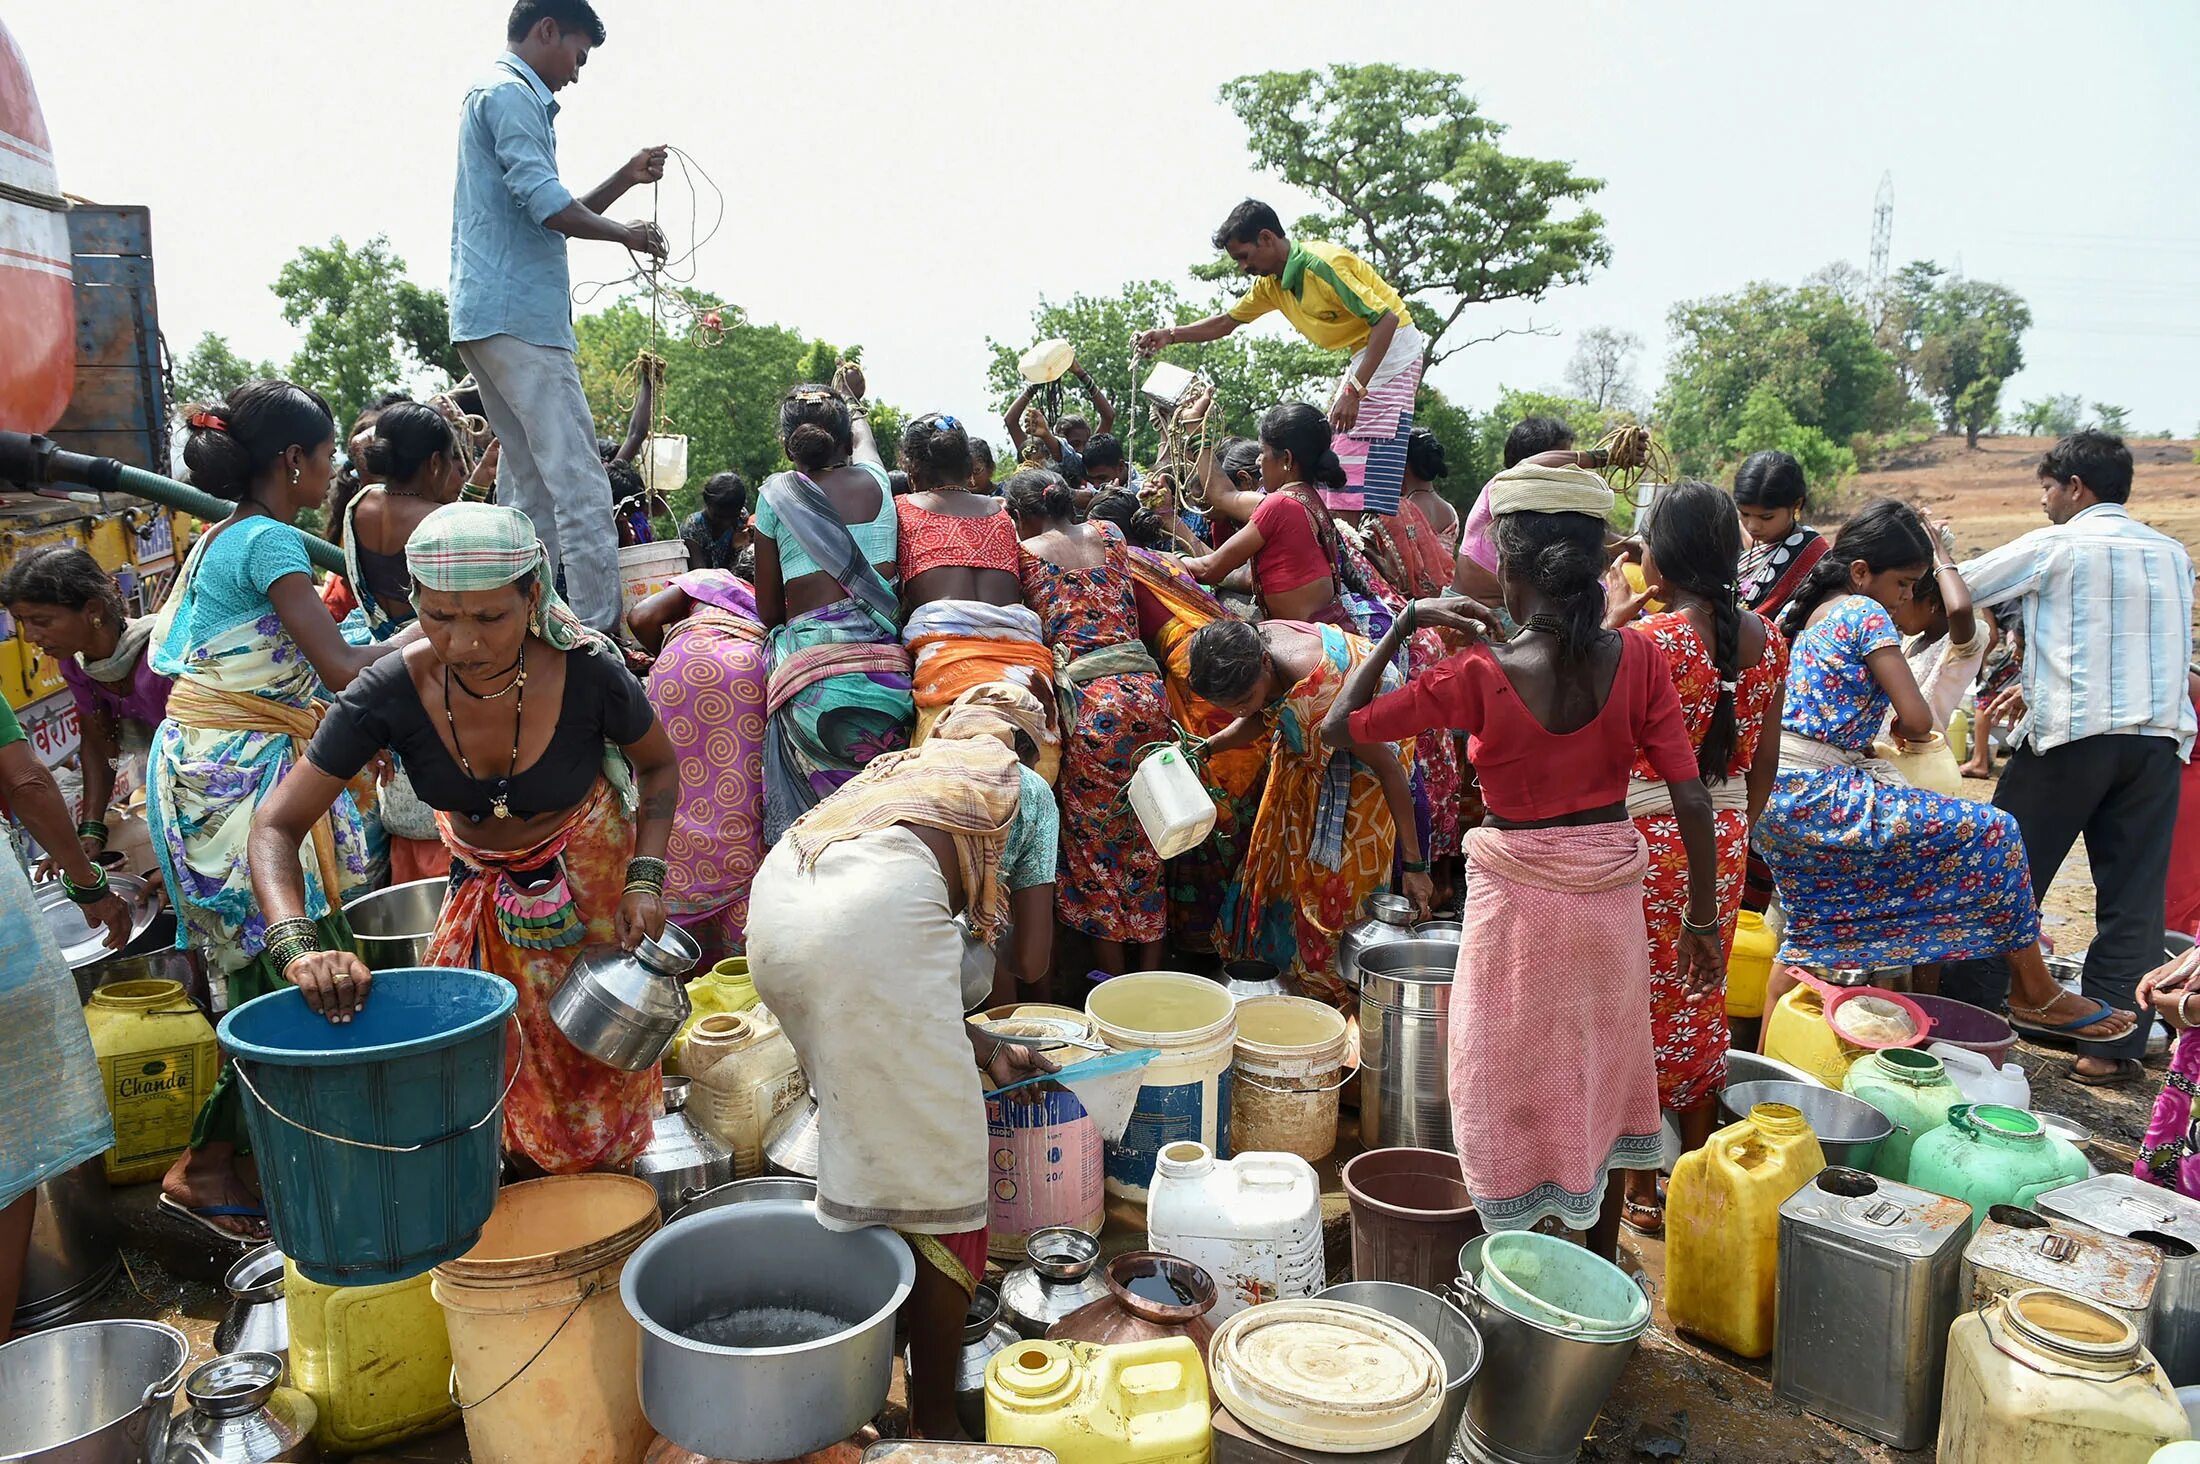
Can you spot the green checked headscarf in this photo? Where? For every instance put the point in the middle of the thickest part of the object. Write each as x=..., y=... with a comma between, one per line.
x=483, y=546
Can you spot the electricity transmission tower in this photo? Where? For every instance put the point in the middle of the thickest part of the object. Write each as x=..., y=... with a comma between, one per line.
x=1882, y=243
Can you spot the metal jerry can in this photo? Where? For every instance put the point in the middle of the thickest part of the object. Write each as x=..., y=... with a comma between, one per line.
x=2120, y=1204
x=2016, y=1248
x=1870, y=1272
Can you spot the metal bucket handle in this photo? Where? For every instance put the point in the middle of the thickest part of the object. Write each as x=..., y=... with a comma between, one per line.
x=1251, y=1082
x=494, y=1109
x=156, y=1405
x=588, y=1289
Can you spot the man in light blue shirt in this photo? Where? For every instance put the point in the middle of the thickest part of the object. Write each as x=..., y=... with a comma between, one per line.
x=511, y=302
x=2106, y=607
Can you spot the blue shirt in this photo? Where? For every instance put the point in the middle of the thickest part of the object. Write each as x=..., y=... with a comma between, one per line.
x=508, y=272
x=2107, y=614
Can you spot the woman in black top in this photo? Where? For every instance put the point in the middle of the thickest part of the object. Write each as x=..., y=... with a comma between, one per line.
x=509, y=717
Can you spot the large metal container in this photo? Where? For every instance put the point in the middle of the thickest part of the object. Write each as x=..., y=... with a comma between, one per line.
x=1060, y=1276
x=1389, y=918
x=241, y=1414
x=749, y=1192
x=1446, y=1329
x=684, y=1161
x=1405, y=1044
x=72, y=1253
x=1848, y=1129
x=2122, y=1204
x=84, y=946
x=2016, y=1248
x=151, y=955
x=623, y=1008
x=92, y=1393
x=732, y=1273
x=392, y=927
x=1869, y=1278
x=1541, y=1385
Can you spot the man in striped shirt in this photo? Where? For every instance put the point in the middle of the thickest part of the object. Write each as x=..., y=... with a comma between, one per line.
x=2106, y=605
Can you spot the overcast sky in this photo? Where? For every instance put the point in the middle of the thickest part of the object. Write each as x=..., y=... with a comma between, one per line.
x=914, y=177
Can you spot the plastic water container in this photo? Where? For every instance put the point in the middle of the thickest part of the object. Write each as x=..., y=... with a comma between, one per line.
x=1172, y=804
x=157, y=1064
x=375, y=1360
x=745, y=1074
x=1930, y=764
x=1184, y=1097
x=644, y=569
x=1797, y=1033
x=1722, y=1226
x=665, y=465
x=1283, y=1089
x=1749, y=968
x=1131, y=1403
x=1979, y=1080
x=1987, y=1155
x=1254, y=1223
x=2049, y=1379
x=725, y=987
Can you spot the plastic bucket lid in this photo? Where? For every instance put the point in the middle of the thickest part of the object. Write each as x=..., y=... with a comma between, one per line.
x=1557, y=1282
x=1325, y=1375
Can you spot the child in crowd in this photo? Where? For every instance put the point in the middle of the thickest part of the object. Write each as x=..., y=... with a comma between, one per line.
x=1770, y=494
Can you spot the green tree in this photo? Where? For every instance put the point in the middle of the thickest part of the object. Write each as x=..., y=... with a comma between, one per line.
x=368, y=328
x=1949, y=333
x=1978, y=409
x=1251, y=373
x=1808, y=346
x=211, y=370
x=2052, y=416
x=721, y=393
x=1412, y=180
x=2111, y=418
x=1764, y=423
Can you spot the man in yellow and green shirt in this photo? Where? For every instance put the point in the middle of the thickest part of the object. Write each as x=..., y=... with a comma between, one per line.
x=1337, y=302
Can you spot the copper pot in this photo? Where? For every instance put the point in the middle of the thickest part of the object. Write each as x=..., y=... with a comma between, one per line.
x=1125, y=1316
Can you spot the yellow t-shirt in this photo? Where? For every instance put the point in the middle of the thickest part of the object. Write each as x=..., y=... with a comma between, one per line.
x=1326, y=292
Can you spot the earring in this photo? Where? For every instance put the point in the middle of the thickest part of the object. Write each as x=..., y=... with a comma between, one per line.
x=294, y=475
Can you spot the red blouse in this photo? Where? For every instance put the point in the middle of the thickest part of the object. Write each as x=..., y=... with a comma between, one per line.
x=930, y=540
x=1696, y=681
x=1526, y=771
x=1290, y=556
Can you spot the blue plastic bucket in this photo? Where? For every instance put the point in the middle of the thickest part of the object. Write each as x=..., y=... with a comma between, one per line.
x=378, y=1139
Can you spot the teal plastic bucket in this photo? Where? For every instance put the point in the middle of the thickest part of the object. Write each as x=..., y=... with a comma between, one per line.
x=377, y=1139
x=1553, y=1281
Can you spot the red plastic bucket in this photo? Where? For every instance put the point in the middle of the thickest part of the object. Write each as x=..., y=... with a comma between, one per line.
x=1410, y=1215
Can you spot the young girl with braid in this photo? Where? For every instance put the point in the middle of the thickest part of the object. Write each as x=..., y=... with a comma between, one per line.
x=1728, y=665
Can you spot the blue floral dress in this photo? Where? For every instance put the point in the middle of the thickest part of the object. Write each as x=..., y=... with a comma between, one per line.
x=1872, y=874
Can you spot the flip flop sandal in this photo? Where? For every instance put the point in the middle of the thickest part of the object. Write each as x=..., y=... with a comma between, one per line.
x=2065, y=1031
x=203, y=1217
x=2127, y=1070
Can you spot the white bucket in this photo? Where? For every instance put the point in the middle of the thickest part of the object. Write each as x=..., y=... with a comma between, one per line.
x=1192, y=1024
x=1173, y=805
x=644, y=569
x=1289, y=1066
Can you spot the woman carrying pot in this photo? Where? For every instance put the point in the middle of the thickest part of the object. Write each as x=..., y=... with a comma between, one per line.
x=68, y=607
x=510, y=715
x=856, y=948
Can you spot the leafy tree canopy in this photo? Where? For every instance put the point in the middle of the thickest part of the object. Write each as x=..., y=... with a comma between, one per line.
x=1412, y=180
x=211, y=369
x=1949, y=334
x=368, y=328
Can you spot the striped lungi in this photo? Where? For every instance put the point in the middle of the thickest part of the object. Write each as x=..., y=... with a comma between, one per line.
x=1374, y=451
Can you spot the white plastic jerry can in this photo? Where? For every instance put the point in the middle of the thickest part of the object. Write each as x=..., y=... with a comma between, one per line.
x=1976, y=1077
x=1172, y=804
x=1253, y=1223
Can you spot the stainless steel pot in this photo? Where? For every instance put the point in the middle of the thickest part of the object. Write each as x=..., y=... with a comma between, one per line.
x=241, y=1414
x=985, y=1333
x=1389, y=918
x=748, y=1192
x=684, y=1161
x=1060, y=1275
x=257, y=1320
x=92, y=1393
x=1848, y=1129
x=624, y=1008
x=151, y=956
x=1250, y=978
x=83, y=945
x=808, y=1333
x=392, y=927
x=1447, y=930
x=790, y=1144
x=1446, y=1329
x=1540, y=1387
x=1405, y=1044
x=72, y=1253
